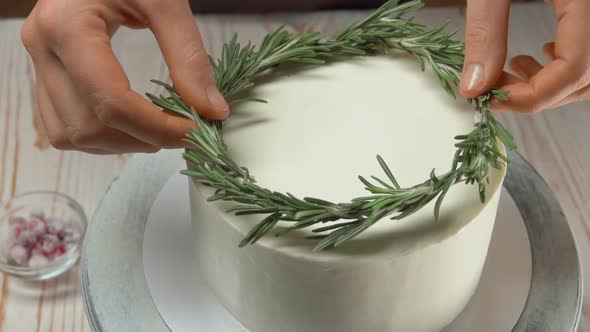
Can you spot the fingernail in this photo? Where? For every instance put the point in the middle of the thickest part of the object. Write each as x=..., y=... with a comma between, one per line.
x=217, y=101
x=473, y=77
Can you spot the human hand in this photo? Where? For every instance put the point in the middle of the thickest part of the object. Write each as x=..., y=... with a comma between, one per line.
x=83, y=94
x=532, y=87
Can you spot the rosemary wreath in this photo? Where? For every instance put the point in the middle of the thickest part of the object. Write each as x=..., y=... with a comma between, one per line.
x=334, y=223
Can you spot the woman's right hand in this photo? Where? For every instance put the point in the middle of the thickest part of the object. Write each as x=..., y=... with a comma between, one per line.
x=84, y=96
x=532, y=87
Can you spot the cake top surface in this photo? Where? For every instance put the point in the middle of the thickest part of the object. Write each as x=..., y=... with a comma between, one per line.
x=323, y=126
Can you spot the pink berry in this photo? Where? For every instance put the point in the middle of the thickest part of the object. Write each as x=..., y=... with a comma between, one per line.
x=37, y=226
x=37, y=249
x=7, y=247
x=58, y=251
x=19, y=254
x=55, y=227
x=38, y=260
x=17, y=224
x=49, y=242
x=17, y=230
x=27, y=238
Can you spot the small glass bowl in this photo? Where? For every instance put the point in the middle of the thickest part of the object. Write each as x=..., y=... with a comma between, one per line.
x=51, y=204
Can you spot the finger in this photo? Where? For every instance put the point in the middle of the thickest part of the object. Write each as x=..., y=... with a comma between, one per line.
x=52, y=123
x=549, y=51
x=190, y=69
x=550, y=85
x=485, y=45
x=81, y=125
x=508, y=78
x=95, y=71
x=525, y=66
x=580, y=95
x=563, y=76
x=42, y=139
x=44, y=112
x=505, y=80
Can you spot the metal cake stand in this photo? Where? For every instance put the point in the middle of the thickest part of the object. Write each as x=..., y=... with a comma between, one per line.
x=117, y=298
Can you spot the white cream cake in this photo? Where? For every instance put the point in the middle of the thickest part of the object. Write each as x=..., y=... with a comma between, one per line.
x=321, y=128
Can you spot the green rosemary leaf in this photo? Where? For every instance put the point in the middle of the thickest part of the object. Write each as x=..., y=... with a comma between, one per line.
x=352, y=232
x=482, y=193
x=381, y=182
x=441, y=197
x=243, y=211
x=309, y=221
x=365, y=182
x=317, y=201
x=504, y=135
x=260, y=229
x=334, y=226
x=215, y=198
x=500, y=94
x=329, y=240
x=299, y=215
x=433, y=176
x=387, y=172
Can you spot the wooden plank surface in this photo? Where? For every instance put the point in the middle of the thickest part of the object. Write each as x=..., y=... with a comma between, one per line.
x=554, y=141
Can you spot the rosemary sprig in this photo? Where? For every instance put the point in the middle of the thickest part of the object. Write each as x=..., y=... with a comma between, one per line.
x=384, y=30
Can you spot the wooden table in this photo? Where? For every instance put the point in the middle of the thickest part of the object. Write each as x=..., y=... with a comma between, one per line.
x=556, y=142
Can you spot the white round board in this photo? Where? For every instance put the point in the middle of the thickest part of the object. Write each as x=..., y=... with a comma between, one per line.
x=185, y=302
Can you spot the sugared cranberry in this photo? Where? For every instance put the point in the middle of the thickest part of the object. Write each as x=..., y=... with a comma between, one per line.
x=56, y=227
x=27, y=238
x=7, y=247
x=49, y=242
x=58, y=251
x=38, y=260
x=37, y=249
x=19, y=254
x=17, y=230
x=38, y=240
x=37, y=226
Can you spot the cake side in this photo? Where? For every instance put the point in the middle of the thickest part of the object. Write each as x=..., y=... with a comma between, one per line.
x=267, y=289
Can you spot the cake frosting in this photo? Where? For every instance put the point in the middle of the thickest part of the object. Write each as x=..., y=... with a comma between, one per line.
x=321, y=128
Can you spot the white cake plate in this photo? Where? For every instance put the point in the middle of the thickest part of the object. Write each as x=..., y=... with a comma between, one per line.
x=138, y=272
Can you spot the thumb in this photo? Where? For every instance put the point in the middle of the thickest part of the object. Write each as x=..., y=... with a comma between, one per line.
x=485, y=45
x=178, y=36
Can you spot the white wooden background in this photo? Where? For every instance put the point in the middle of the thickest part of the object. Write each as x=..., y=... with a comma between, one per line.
x=556, y=142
